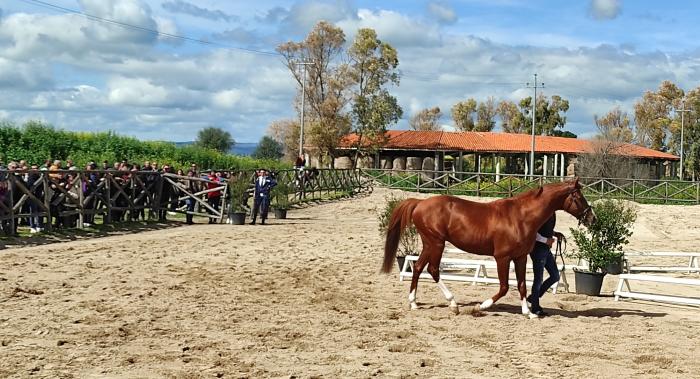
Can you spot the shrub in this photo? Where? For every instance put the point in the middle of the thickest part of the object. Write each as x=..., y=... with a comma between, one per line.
x=602, y=242
x=408, y=244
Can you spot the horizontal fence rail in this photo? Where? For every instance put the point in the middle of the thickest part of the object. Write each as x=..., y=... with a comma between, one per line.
x=74, y=198
x=654, y=191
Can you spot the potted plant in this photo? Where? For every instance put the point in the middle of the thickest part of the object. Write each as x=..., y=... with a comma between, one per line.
x=408, y=244
x=238, y=190
x=280, y=198
x=600, y=245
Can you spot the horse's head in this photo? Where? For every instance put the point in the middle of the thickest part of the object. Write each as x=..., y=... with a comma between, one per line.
x=577, y=205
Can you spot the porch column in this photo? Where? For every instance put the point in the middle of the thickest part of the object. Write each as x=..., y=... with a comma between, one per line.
x=527, y=169
x=562, y=173
x=498, y=170
x=544, y=165
x=478, y=163
x=556, y=164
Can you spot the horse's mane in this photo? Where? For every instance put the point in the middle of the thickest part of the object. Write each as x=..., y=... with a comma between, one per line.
x=537, y=191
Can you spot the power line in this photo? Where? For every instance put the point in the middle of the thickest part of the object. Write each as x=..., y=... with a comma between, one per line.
x=144, y=29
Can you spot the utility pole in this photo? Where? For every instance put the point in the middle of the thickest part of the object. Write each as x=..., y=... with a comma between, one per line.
x=535, y=85
x=303, y=100
x=682, y=111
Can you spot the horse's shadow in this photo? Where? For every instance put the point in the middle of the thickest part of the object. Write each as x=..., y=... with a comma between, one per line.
x=500, y=309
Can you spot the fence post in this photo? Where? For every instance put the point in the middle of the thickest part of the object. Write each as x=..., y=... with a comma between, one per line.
x=11, y=192
x=478, y=184
x=108, y=199
x=81, y=205
x=47, y=200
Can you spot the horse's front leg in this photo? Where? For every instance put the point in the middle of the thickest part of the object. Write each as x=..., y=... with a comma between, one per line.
x=503, y=267
x=520, y=267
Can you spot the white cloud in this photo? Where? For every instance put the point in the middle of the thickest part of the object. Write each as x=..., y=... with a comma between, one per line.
x=443, y=12
x=136, y=92
x=226, y=99
x=303, y=15
x=398, y=29
x=605, y=9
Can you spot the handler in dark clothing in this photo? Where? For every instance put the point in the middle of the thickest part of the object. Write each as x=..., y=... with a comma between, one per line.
x=261, y=202
x=542, y=259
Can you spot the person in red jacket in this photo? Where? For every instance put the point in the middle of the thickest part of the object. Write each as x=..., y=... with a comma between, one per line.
x=213, y=197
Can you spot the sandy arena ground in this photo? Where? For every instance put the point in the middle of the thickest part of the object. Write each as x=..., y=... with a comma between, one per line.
x=303, y=298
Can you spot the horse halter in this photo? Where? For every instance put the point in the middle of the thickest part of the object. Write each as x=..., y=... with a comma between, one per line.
x=575, y=196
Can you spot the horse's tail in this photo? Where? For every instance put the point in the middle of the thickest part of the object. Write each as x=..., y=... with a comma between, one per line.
x=400, y=220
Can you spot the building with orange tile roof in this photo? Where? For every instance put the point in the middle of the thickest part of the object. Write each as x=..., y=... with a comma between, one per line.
x=555, y=155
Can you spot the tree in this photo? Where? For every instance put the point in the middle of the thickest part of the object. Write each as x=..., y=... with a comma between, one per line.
x=608, y=158
x=691, y=132
x=427, y=119
x=615, y=126
x=549, y=114
x=463, y=115
x=512, y=120
x=564, y=134
x=215, y=138
x=286, y=133
x=372, y=66
x=485, y=115
x=326, y=85
x=652, y=115
x=268, y=148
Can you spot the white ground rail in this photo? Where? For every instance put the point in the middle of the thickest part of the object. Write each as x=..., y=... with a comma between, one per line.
x=693, y=261
x=626, y=278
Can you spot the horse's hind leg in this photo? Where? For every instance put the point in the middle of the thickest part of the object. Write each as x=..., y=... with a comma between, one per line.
x=503, y=266
x=434, y=269
x=417, y=270
x=520, y=266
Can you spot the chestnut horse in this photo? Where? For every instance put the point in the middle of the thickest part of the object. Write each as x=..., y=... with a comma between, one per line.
x=504, y=229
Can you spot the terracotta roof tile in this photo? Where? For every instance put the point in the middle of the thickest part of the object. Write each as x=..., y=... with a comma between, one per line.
x=496, y=142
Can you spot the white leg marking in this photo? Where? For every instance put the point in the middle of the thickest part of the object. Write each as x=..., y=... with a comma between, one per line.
x=445, y=291
x=486, y=304
x=448, y=296
x=523, y=304
x=412, y=300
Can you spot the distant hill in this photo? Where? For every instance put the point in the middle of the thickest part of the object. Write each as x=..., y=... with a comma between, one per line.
x=240, y=148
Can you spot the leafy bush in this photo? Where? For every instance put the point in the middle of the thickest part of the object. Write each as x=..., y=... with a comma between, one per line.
x=602, y=242
x=238, y=190
x=36, y=142
x=280, y=195
x=408, y=244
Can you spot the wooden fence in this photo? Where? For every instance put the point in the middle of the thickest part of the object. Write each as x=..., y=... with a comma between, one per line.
x=73, y=198
x=506, y=185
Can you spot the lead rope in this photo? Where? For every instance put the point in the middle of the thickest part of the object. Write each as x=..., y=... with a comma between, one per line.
x=560, y=252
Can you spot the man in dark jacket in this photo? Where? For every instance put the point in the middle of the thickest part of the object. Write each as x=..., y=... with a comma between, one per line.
x=261, y=202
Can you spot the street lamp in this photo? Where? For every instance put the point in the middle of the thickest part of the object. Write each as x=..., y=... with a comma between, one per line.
x=535, y=85
x=682, y=111
x=303, y=99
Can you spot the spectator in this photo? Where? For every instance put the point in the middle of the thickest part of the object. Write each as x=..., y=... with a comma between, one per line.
x=213, y=197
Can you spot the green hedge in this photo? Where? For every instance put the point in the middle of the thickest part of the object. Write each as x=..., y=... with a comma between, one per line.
x=36, y=142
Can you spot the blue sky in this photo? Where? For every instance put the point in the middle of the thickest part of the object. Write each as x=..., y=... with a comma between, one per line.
x=79, y=74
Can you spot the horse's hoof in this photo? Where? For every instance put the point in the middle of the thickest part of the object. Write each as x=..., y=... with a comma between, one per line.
x=413, y=306
x=476, y=311
x=455, y=310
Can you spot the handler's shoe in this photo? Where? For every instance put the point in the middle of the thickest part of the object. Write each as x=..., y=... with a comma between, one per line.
x=539, y=314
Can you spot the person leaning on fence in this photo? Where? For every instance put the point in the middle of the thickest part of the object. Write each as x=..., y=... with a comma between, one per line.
x=261, y=199
x=542, y=259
